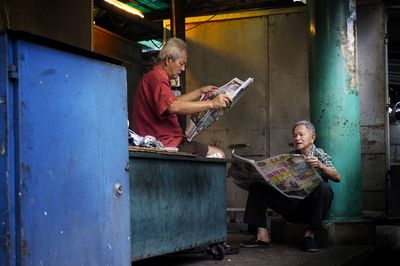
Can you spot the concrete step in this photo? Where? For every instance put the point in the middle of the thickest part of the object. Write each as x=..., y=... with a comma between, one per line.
x=355, y=232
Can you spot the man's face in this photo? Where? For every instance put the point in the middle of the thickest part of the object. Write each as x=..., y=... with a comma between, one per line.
x=302, y=137
x=176, y=67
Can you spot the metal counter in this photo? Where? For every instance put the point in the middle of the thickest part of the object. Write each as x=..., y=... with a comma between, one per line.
x=177, y=203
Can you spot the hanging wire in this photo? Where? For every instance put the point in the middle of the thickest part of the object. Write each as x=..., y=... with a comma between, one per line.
x=6, y=15
x=220, y=10
x=201, y=23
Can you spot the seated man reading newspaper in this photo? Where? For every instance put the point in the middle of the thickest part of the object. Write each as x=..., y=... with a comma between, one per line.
x=310, y=210
x=155, y=107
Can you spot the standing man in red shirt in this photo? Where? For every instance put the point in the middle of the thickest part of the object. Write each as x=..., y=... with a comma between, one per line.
x=155, y=107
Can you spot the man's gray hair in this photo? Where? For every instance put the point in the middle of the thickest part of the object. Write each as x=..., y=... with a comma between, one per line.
x=172, y=48
x=305, y=123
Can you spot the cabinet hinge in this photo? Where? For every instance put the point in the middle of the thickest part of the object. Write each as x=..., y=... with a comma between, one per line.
x=12, y=72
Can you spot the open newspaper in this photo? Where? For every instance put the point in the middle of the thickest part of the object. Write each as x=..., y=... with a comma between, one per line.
x=288, y=173
x=202, y=120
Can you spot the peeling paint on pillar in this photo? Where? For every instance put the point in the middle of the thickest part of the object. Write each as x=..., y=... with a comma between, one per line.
x=334, y=98
x=348, y=47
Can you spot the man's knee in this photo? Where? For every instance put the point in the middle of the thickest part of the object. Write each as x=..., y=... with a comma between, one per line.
x=258, y=189
x=214, y=152
x=324, y=191
x=325, y=188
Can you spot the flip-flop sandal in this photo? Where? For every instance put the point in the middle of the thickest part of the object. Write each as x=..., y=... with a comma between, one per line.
x=229, y=250
x=254, y=243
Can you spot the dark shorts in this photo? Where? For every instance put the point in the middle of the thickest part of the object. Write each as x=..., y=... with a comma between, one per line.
x=195, y=147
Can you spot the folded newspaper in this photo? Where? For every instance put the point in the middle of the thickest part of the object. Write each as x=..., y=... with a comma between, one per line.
x=202, y=120
x=288, y=173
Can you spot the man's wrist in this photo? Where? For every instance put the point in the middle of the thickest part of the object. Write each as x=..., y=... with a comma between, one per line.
x=211, y=105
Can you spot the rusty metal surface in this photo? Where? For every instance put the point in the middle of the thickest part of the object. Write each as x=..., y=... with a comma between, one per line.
x=175, y=204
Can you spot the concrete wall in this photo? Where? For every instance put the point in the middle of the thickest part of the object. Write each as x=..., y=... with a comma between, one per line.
x=66, y=21
x=269, y=46
x=372, y=88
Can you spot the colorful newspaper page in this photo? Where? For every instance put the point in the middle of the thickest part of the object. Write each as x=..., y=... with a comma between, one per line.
x=202, y=120
x=288, y=173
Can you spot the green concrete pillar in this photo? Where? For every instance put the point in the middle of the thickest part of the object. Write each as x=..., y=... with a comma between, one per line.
x=334, y=98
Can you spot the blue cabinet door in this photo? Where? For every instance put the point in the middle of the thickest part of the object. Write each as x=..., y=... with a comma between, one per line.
x=69, y=142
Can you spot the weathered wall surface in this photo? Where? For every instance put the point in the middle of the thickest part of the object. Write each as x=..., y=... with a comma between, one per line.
x=288, y=83
x=271, y=48
x=372, y=88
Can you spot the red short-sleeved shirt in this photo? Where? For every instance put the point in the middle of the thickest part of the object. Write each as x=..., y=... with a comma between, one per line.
x=149, y=114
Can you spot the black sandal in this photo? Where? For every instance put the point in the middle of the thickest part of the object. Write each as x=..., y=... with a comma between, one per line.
x=229, y=250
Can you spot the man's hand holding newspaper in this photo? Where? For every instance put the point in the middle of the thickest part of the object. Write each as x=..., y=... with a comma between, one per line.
x=234, y=89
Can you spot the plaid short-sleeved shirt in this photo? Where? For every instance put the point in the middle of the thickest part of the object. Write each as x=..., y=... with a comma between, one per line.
x=321, y=155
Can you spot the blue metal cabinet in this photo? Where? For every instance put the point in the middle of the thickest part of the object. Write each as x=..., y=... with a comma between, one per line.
x=177, y=203
x=63, y=154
